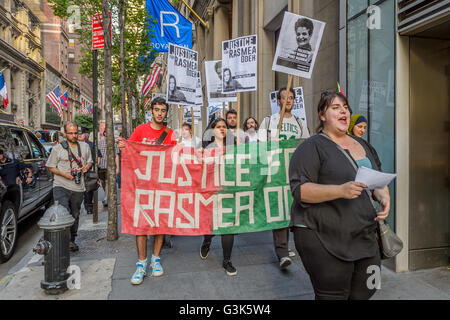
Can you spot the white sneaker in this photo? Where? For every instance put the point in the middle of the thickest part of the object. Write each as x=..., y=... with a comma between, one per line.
x=285, y=262
x=291, y=253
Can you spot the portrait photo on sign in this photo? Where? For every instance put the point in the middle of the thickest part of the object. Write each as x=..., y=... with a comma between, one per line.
x=182, y=78
x=298, y=45
x=239, y=64
x=213, y=71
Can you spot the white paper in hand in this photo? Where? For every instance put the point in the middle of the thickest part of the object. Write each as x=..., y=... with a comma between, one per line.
x=373, y=179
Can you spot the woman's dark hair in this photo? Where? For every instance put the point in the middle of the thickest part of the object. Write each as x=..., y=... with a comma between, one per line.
x=326, y=98
x=245, y=124
x=217, y=120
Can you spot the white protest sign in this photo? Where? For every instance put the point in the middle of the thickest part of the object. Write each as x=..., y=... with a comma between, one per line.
x=199, y=92
x=187, y=116
x=298, y=45
x=182, y=68
x=239, y=64
x=213, y=71
x=158, y=94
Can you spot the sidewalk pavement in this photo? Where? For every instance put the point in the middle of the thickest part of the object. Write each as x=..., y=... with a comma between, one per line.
x=107, y=266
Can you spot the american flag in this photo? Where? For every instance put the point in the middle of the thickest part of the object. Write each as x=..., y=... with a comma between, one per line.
x=65, y=100
x=90, y=109
x=54, y=98
x=84, y=110
x=151, y=79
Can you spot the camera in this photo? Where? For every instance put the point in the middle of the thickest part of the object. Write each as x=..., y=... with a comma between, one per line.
x=77, y=176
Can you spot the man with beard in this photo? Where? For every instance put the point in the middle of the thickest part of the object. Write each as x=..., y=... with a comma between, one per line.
x=69, y=161
x=251, y=130
x=231, y=117
x=153, y=132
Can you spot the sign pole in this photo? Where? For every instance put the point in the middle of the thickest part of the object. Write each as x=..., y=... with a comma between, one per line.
x=193, y=124
x=94, y=127
x=181, y=122
x=238, y=118
x=283, y=109
x=223, y=109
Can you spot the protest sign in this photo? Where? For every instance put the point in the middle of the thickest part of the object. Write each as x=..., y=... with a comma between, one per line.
x=175, y=190
x=187, y=115
x=239, y=64
x=182, y=80
x=148, y=116
x=298, y=45
x=158, y=94
x=213, y=71
x=198, y=91
x=216, y=111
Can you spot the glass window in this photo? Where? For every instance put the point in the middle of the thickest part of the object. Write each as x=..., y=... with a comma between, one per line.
x=356, y=6
x=382, y=87
x=35, y=147
x=22, y=150
x=357, y=65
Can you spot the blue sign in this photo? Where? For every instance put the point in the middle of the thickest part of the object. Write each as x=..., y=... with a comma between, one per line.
x=170, y=26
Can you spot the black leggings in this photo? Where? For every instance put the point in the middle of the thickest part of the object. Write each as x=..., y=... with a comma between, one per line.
x=227, y=244
x=332, y=278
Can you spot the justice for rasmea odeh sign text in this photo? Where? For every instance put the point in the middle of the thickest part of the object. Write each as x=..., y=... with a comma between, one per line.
x=298, y=45
x=239, y=64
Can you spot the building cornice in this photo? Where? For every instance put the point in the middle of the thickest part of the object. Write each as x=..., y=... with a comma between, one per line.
x=18, y=59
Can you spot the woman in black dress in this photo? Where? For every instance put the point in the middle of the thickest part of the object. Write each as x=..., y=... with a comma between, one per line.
x=332, y=217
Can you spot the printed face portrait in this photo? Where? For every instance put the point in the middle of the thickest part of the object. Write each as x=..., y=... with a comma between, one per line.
x=218, y=69
x=172, y=83
x=227, y=75
x=302, y=36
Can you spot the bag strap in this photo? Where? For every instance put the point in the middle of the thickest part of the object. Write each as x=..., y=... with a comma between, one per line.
x=350, y=159
x=162, y=136
x=300, y=125
x=71, y=155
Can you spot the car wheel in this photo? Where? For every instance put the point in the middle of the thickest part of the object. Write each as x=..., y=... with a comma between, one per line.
x=8, y=231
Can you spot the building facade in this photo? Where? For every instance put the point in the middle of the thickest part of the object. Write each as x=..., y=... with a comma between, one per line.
x=20, y=60
x=392, y=59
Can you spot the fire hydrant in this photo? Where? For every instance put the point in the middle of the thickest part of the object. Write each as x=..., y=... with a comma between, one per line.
x=56, y=224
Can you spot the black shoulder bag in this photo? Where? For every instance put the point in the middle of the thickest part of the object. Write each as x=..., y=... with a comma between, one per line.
x=91, y=180
x=389, y=243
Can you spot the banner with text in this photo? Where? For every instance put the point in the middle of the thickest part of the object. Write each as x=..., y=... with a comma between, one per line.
x=176, y=190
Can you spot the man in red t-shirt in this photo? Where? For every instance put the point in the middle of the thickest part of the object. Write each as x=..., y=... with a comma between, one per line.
x=150, y=133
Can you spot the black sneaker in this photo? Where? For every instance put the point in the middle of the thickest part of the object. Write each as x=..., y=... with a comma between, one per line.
x=229, y=269
x=204, y=251
x=73, y=246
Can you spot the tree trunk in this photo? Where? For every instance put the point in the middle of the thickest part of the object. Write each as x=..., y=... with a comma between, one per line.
x=122, y=22
x=112, y=233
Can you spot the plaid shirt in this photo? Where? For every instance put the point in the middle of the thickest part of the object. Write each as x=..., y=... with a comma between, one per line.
x=102, y=149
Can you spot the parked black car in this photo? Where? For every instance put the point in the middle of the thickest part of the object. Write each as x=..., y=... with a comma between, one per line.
x=20, y=200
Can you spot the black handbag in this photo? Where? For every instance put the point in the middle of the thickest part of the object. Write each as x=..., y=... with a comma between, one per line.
x=389, y=243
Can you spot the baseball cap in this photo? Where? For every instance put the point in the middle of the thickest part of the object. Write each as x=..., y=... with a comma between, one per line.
x=82, y=130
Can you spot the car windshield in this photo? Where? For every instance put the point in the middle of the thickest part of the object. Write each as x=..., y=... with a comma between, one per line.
x=46, y=136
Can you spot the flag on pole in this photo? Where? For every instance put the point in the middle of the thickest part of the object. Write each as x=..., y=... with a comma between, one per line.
x=84, y=110
x=54, y=98
x=151, y=79
x=339, y=89
x=65, y=100
x=3, y=91
x=90, y=109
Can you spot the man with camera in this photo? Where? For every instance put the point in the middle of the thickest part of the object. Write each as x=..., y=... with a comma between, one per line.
x=69, y=161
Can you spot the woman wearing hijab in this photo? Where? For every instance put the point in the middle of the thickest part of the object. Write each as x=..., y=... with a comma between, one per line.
x=358, y=125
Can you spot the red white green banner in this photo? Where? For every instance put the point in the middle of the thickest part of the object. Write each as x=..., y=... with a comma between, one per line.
x=176, y=190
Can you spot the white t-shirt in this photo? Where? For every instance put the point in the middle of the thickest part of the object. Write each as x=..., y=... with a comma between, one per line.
x=190, y=143
x=290, y=128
